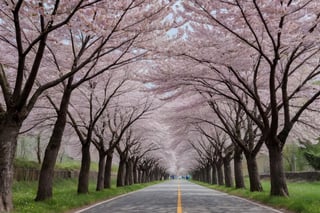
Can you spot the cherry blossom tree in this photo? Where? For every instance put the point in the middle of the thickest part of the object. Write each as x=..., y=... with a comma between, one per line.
x=85, y=127
x=207, y=160
x=123, y=149
x=136, y=154
x=45, y=180
x=146, y=166
x=26, y=29
x=101, y=49
x=281, y=53
x=254, y=49
x=243, y=134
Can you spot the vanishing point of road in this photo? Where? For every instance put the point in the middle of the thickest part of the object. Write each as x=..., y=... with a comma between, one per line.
x=177, y=196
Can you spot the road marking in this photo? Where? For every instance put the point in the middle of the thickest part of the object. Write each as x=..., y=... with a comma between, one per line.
x=179, y=204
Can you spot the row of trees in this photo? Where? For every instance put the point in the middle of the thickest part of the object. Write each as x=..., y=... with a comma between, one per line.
x=252, y=65
x=255, y=65
x=57, y=51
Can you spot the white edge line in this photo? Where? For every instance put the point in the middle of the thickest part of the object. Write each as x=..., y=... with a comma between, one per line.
x=108, y=200
x=257, y=204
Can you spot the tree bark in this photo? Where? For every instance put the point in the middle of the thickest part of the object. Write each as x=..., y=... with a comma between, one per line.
x=148, y=176
x=83, y=182
x=156, y=174
x=214, y=179
x=208, y=174
x=220, y=174
x=127, y=166
x=203, y=175
x=227, y=172
x=238, y=174
x=135, y=173
x=139, y=176
x=9, y=130
x=131, y=180
x=254, y=178
x=129, y=173
x=47, y=169
x=277, y=175
x=108, y=171
x=101, y=172
x=39, y=148
x=143, y=176
x=121, y=173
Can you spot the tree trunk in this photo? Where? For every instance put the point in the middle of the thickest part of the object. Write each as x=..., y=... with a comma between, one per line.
x=143, y=176
x=253, y=172
x=47, y=169
x=208, y=174
x=135, y=173
x=121, y=173
x=139, y=176
x=220, y=174
x=101, y=172
x=277, y=175
x=198, y=174
x=227, y=172
x=214, y=179
x=38, y=149
x=127, y=166
x=148, y=176
x=108, y=171
x=130, y=173
x=83, y=183
x=152, y=175
x=157, y=175
x=203, y=175
x=238, y=174
x=9, y=130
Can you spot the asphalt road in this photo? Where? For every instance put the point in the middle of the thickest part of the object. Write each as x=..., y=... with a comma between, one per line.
x=177, y=196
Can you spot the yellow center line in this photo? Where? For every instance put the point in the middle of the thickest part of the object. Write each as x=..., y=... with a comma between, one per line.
x=179, y=204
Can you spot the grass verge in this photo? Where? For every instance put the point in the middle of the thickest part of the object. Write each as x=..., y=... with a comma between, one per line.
x=304, y=196
x=68, y=164
x=64, y=198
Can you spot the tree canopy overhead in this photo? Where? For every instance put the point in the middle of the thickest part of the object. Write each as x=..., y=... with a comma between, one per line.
x=204, y=81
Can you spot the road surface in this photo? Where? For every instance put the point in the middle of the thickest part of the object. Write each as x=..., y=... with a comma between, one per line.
x=177, y=196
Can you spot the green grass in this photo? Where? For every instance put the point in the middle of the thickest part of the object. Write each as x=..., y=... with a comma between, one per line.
x=75, y=165
x=304, y=196
x=19, y=162
x=64, y=196
x=67, y=164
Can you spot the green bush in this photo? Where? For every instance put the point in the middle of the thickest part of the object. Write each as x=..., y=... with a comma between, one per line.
x=313, y=159
x=312, y=154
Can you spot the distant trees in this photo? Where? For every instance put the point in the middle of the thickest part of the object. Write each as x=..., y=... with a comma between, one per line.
x=244, y=135
x=97, y=106
x=64, y=43
x=263, y=53
x=262, y=56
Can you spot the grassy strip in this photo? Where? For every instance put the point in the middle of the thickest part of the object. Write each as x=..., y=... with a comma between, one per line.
x=304, y=196
x=65, y=197
x=68, y=165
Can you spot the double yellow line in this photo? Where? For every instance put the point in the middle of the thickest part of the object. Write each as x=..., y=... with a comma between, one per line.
x=179, y=203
